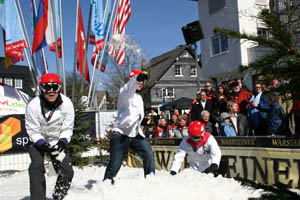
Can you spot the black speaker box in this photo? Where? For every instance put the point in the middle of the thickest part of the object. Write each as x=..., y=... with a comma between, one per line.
x=192, y=32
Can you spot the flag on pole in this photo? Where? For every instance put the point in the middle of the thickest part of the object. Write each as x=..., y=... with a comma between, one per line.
x=97, y=30
x=57, y=23
x=81, y=47
x=14, y=36
x=9, y=60
x=43, y=32
x=39, y=58
x=104, y=61
x=117, y=46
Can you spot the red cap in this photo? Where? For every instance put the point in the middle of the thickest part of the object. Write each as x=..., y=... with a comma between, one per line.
x=135, y=72
x=50, y=78
x=196, y=128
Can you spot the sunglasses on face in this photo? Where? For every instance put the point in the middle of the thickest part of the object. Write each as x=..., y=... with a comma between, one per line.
x=50, y=87
x=195, y=137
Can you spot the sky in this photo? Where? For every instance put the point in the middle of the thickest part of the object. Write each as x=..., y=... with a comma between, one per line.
x=155, y=25
x=130, y=184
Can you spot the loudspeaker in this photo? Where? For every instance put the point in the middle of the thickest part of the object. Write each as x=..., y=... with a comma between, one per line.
x=192, y=32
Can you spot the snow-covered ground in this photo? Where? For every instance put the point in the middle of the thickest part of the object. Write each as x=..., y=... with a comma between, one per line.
x=130, y=184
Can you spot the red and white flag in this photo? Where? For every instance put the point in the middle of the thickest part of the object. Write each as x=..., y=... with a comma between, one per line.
x=81, y=48
x=117, y=46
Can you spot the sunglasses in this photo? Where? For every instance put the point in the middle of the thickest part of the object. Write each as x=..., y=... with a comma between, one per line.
x=50, y=87
x=195, y=137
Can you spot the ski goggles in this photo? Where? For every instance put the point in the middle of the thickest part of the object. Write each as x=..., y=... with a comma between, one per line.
x=50, y=87
x=195, y=137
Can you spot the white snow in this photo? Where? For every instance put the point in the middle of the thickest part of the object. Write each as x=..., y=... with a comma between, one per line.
x=130, y=184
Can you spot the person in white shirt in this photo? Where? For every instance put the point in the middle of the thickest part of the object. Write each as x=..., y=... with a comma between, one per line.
x=202, y=148
x=127, y=131
x=49, y=122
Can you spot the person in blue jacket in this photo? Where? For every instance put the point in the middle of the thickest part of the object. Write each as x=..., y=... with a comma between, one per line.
x=226, y=127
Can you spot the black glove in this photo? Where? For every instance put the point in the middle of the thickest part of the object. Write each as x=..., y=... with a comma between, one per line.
x=142, y=76
x=46, y=148
x=212, y=169
x=173, y=173
x=60, y=146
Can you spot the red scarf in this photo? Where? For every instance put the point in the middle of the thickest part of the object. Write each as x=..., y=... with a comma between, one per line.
x=197, y=145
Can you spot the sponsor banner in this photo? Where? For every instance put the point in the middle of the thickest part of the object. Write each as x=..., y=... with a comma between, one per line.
x=276, y=162
x=10, y=106
x=14, y=138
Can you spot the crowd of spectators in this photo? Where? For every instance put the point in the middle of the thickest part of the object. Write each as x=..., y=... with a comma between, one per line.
x=230, y=111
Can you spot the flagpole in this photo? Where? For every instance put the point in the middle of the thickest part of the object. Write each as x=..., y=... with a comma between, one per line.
x=43, y=51
x=75, y=54
x=55, y=38
x=62, y=48
x=102, y=55
x=86, y=46
x=27, y=41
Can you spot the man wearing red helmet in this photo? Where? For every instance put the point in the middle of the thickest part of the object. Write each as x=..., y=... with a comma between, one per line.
x=202, y=148
x=127, y=130
x=49, y=122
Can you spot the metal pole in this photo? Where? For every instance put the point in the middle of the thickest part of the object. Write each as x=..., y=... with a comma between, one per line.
x=197, y=67
x=102, y=55
x=62, y=47
x=75, y=55
x=55, y=38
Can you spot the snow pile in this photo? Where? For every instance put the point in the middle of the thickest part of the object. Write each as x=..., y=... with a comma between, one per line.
x=130, y=184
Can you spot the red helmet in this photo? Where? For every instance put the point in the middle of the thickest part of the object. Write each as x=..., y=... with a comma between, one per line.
x=196, y=128
x=50, y=78
x=135, y=72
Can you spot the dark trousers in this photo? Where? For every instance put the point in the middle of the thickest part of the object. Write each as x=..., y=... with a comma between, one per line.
x=119, y=145
x=37, y=177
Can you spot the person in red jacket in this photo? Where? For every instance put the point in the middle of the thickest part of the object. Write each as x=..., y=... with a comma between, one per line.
x=241, y=96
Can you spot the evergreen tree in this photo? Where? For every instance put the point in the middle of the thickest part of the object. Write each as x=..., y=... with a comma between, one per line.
x=281, y=60
x=81, y=136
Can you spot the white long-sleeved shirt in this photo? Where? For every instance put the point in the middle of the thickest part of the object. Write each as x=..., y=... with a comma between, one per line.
x=130, y=110
x=59, y=126
x=199, y=160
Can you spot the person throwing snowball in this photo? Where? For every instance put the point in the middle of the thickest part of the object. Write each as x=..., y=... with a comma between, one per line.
x=202, y=148
x=127, y=131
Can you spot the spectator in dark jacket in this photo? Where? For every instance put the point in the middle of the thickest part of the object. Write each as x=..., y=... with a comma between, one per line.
x=275, y=116
x=257, y=110
x=199, y=106
x=239, y=121
x=209, y=127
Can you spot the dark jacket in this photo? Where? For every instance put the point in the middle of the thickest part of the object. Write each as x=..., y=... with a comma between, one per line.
x=242, y=125
x=275, y=117
x=197, y=108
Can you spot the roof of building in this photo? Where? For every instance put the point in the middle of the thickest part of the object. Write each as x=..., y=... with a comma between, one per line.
x=160, y=65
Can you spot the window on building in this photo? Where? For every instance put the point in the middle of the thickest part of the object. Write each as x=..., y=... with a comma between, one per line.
x=168, y=92
x=193, y=71
x=185, y=54
x=260, y=2
x=178, y=70
x=219, y=44
x=263, y=32
x=8, y=81
x=215, y=5
x=18, y=83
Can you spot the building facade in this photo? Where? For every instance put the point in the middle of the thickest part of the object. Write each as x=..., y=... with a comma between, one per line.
x=173, y=75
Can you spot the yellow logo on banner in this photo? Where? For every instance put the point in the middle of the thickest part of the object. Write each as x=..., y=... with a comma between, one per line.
x=8, y=129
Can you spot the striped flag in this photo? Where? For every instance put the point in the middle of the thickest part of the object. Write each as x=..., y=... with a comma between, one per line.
x=117, y=46
x=43, y=32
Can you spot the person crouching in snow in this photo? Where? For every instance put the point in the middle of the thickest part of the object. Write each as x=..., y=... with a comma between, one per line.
x=127, y=131
x=202, y=148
